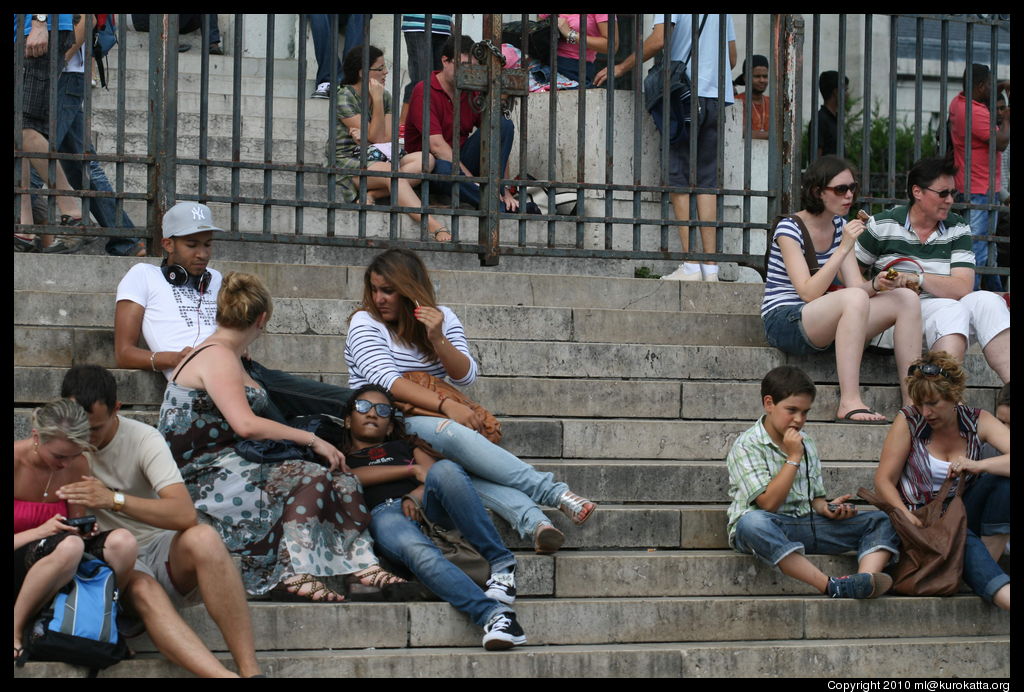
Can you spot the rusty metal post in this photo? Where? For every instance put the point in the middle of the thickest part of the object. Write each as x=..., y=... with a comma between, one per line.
x=490, y=146
x=156, y=147
x=784, y=160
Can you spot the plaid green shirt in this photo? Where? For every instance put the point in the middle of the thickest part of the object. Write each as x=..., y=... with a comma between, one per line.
x=755, y=460
x=349, y=104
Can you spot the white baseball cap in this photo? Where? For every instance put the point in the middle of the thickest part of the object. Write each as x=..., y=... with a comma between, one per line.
x=186, y=218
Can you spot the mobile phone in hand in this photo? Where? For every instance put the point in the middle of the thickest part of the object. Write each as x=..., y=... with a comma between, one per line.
x=84, y=524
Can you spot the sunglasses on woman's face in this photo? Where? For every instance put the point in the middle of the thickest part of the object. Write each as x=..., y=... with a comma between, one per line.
x=927, y=369
x=843, y=189
x=943, y=193
x=382, y=410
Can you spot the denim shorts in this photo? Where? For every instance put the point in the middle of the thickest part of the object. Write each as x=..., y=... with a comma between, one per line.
x=771, y=537
x=784, y=329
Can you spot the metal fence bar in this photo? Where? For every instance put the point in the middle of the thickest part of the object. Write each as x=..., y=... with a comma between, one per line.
x=300, y=122
x=268, y=122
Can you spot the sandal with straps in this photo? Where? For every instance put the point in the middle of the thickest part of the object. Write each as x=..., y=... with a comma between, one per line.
x=317, y=593
x=377, y=577
x=442, y=229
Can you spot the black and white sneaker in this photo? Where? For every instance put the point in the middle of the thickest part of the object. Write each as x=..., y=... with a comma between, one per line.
x=503, y=632
x=322, y=91
x=502, y=587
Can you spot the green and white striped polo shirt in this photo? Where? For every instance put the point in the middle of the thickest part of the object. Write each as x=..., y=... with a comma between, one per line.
x=888, y=236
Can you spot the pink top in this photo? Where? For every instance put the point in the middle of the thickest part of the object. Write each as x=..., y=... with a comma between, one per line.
x=28, y=515
x=979, y=144
x=570, y=50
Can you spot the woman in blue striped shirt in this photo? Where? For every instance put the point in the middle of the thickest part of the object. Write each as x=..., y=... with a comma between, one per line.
x=808, y=310
x=400, y=328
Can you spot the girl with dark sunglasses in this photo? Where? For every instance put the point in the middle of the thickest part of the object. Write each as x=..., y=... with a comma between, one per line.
x=400, y=481
x=807, y=310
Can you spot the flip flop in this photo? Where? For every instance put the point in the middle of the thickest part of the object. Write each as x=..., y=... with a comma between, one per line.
x=848, y=419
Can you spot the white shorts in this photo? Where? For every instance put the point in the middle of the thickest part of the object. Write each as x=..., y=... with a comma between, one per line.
x=980, y=316
x=153, y=559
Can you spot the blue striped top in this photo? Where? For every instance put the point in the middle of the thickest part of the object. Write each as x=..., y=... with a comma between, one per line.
x=375, y=356
x=778, y=289
x=439, y=23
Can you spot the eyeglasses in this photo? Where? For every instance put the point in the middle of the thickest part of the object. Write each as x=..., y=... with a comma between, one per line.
x=843, y=189
x=943, y=193
x=383, y=410
x=927, y=369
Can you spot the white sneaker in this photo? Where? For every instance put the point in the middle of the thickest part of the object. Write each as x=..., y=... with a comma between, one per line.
x=681, y=274
x=323, y=91
x=502, y=587
x=708, y=276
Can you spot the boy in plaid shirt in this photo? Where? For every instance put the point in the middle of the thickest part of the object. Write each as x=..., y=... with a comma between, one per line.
x=779, y=508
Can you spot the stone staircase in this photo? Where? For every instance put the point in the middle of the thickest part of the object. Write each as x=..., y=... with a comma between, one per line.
x=630, y=390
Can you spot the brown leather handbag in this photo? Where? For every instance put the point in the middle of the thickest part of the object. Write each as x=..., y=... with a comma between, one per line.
x=932, y=555
x=491, y=426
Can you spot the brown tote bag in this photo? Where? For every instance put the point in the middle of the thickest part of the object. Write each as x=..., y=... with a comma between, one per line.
x=492, y=428
x=932, y=555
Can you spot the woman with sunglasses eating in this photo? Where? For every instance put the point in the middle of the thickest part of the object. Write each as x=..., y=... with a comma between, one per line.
x=937, y=437
x=292, y=523
x=400, y=328
x=805, y=308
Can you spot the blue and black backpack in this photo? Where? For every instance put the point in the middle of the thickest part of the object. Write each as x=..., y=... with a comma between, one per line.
x=80, y=625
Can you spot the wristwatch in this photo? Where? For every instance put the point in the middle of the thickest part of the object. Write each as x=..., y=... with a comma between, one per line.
x=40, y=18
x=118, y=501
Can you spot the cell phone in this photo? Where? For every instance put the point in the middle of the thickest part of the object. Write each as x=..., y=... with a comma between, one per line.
x=84, y=524
x=835, y=507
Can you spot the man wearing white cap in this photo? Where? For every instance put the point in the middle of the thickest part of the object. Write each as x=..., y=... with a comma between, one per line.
x=174, y=307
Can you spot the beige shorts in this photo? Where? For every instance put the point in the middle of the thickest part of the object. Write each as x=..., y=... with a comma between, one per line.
x=153, y=560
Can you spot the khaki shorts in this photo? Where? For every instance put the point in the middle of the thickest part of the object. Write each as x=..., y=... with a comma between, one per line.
x=153, y=560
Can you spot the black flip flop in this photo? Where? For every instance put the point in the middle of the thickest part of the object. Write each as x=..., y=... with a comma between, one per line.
x=848, y=419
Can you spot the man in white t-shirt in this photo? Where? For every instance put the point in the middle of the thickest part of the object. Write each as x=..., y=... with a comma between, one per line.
x=174, y=308
x=709, y=57
x=136, y=485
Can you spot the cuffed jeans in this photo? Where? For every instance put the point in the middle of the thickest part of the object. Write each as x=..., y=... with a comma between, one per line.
x=450, y=500
x=771, y=537
x=506, y=484
x=987, y=503
x=290, y=395
x=469, y=154
x=69, y=139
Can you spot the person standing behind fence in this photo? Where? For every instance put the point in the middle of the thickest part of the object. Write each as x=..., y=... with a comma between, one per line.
x=348, y=138
x=35, y=124
x=760, y=105
x=569, y=44
x=980, y=220
x=828, y=114
x=418, y=38
x=710, y=58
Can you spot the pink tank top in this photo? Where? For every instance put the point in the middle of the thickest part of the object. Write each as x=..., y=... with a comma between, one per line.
x=28, y=515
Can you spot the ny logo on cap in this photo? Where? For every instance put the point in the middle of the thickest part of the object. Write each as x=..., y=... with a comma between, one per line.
x=197, y=213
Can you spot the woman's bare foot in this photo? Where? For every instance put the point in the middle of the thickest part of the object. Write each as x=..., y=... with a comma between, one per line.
x=859, y=414
x=377, y=576
x=441, y=235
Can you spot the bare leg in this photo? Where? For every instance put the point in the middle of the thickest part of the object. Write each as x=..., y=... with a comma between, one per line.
x=953, y=344
x=997, y=354
x=874, y=562
x=34, y=141
x=902, y=308
x=44, y=580
x=1002, y=597
x=171, y=635
x=681, y=210
x=842, y=316
x=707, y=211
x=407, y=197
x=119, y=551
x=198, y=557
x=799, y=567
x=996, y=544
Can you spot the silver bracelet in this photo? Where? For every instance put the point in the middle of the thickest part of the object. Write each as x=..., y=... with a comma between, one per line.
x=152, y=361
x=312, y=439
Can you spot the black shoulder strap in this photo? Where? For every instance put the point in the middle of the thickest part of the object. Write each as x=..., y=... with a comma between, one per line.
x=190, y=357
x=809, y=255
x=700, y=29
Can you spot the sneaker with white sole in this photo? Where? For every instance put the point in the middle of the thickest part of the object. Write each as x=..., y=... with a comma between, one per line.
x=503, y=632
x=502, y=587
x=860, y=585
x=681, y=274
x=575, y=507
x=322, y=91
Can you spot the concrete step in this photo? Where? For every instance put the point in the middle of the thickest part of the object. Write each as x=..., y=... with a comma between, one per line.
x=979, y=656
x=321, y=278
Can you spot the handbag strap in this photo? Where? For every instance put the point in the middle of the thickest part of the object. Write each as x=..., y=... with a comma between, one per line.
x=810, y=256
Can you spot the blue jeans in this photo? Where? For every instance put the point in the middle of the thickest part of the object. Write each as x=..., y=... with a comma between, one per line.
x=985, y=253
x=987, y=503
x=469, y=154
x=320, y=28
x=507, y=485
x=290, y=395
x=570, y=67
x=771, y=537
x=69, y=139
x=449, y=500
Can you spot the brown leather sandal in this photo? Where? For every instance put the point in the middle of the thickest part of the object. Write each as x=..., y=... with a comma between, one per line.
x=318, y=591
x=377, y=577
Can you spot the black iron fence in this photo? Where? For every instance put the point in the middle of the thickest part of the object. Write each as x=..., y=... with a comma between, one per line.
x=240, y=134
